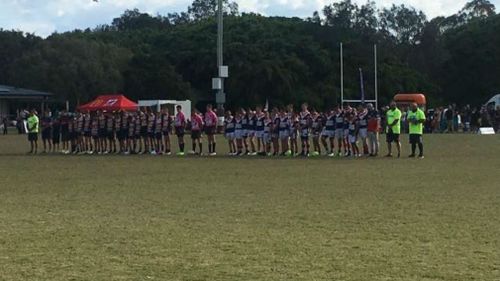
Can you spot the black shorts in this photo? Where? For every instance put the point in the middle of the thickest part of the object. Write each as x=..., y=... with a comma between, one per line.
x=102, y=133
x=87, y=134
x=158, y=135
x=151, y=135
x=210, y=130
x=392, y=137
x=110, y=135
x=195, y=135
x=95, y=137
x=415, y=138
x=122, y=134
x=144, y=131
x=56, y=137
x=47, y=134
x=32, y=136
x=64, y=133
x=179, y=131
x=65, y=136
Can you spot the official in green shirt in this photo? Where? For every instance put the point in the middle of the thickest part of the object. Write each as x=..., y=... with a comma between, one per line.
x=393, y=128
x=416, y=118
x=33, y=127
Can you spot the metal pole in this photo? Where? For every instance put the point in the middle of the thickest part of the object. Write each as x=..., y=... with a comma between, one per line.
x=362, y=83
x=341, y=76
x=376, y=76
x=220, y=53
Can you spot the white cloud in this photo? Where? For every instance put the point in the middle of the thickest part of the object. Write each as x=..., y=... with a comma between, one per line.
x=45, y=16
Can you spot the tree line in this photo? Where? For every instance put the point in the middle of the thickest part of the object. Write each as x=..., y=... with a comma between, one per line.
x=453, y=59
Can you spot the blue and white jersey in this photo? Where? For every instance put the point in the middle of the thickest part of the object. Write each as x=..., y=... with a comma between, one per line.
x=284, y=124
x=330, y=123
x=244, y=122
x=238, y=124
x=304, y=119
x=339, y=120
x=229, y=125
x=259, y=123
x=363, y=120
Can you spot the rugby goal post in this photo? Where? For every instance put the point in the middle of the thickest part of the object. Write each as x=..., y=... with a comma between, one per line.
x=362, y=100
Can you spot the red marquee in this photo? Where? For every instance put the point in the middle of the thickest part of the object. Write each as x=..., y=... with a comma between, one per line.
x=109, y=103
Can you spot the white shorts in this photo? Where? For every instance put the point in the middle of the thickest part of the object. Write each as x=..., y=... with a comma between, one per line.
x=328, y=134
x=259, y=134
x=352, y=139
x=284, y=135
x=363, y=133
x=339, y=133
x=238, y=134
x=230, y=136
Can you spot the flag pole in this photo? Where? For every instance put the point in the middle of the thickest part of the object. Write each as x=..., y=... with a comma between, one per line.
x=341, y=75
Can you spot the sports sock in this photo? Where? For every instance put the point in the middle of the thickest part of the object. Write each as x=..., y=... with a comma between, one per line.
x=421, y=149
x=201, y=148
x=413, y=148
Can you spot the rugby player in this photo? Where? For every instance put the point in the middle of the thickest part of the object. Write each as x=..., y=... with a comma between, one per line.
x=196, y=128
x=210, y=129
x=180, y=127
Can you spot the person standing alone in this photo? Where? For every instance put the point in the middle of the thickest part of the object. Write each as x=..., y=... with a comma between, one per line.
x=416, y=118
x=33, y=127
x=393, y=128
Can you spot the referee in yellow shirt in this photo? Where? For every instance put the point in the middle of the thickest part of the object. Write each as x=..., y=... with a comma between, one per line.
x=393, y=128
x=33, y=127
x=416, y=118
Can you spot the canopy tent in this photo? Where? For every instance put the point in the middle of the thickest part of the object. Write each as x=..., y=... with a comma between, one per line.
x=185, y=104
x=110, y=103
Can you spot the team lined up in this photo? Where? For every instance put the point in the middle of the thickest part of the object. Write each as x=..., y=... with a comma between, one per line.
x=278, y=132
x=138, y=132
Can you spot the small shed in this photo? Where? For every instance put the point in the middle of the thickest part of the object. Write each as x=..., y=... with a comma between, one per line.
x=13, y=99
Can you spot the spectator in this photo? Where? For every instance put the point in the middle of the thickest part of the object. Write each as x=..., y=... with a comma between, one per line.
x=5, y=122
x=475, y=121
x=466, y=118
x=449, y=119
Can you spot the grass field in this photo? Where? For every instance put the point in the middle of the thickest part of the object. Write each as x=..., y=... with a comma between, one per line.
x=167, y=218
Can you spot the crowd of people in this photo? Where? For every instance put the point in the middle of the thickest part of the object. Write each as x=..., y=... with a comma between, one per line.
x=342, y=131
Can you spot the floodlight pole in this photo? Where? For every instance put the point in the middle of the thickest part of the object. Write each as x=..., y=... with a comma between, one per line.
x=220, y=54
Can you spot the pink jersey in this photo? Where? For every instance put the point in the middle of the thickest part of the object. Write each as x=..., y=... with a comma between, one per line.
x=196, y=122
x=180, y=120
x=210, y=119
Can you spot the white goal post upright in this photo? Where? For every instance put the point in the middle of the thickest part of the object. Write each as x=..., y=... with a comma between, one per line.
x=342, y=79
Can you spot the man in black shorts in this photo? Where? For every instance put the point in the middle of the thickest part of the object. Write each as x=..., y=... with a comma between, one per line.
x=47, y=132
x=393, y=128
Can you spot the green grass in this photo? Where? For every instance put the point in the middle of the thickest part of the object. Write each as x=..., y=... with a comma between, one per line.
x=169, y=218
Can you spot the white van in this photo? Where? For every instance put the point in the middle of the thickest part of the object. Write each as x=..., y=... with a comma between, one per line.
x=493, y=102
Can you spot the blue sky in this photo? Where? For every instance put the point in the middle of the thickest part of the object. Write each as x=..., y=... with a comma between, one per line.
x=43, y=17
